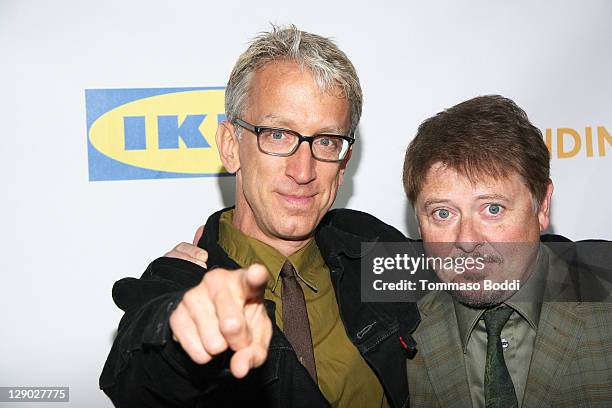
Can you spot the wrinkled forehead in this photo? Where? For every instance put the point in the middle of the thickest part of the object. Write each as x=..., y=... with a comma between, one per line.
x=444, y=179
x=290, y=96
x=270, y=70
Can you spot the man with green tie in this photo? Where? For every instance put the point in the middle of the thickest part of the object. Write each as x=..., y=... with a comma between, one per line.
x=478, y=176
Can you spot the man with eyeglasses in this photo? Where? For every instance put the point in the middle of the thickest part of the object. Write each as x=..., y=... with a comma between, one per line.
x=285, y=142
x=293, y=332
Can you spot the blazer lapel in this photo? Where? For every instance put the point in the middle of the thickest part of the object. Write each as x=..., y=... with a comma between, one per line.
x=438, y=341
x=559, y=331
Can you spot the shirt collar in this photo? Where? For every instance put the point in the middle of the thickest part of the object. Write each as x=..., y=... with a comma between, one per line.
x=245, y=250
x=527, y=301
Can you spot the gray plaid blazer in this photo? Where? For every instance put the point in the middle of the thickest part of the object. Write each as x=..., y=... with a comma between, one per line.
x=571, y=365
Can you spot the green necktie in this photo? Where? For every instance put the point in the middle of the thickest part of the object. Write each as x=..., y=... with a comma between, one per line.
x=499, y=390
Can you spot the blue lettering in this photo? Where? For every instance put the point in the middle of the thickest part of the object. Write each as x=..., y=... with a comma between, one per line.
x=134, y=133
x=169, y=131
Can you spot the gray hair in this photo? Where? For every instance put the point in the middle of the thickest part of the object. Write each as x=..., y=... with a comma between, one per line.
x=329, y=66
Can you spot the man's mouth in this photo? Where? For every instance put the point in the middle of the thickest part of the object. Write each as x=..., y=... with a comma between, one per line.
x=297, y=200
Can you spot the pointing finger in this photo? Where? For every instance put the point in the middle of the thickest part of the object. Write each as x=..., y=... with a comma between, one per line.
x=254, y=281
x=232, y=322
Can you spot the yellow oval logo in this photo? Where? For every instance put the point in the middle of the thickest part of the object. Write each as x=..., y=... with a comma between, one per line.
x=172, y=132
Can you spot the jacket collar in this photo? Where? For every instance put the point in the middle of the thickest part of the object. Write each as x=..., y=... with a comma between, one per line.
x=210, y=242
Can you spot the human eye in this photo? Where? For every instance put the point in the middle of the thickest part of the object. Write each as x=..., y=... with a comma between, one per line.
x=328, y=142
x=441, y=214
x=276, y=136
x=329, y=147
x=494, y=209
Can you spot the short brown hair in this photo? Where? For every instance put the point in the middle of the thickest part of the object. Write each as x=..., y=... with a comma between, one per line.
x=485, y=136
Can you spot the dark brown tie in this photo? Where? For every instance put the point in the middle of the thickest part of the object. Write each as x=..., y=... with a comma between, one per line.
x=295, y=319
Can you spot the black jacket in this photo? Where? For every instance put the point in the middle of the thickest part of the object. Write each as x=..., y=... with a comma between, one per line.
x=145, y=368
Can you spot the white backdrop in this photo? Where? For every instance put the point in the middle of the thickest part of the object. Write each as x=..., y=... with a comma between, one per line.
x=65, y=240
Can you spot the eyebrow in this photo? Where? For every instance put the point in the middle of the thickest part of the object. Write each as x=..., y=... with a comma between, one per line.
x=273, y=116
x=287, y=124
x=492, y=197
x=433, y=201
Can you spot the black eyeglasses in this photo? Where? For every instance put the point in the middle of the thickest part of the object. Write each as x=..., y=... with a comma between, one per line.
x=285, y=142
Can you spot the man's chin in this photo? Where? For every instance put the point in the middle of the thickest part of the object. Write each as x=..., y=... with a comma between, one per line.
x=479, y=298
x=296, y=236
x=297, y=230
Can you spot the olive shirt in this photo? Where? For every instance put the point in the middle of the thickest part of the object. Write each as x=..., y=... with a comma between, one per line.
x=518, y=335
x=345, y=379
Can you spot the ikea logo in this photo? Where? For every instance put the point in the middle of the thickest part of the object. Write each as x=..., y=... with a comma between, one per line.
x=153, y=133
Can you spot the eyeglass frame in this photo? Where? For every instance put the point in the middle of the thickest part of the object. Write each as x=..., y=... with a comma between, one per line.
x=257, y=130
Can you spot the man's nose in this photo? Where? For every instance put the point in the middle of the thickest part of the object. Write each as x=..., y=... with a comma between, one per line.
x=468, y=237
x=301, y=165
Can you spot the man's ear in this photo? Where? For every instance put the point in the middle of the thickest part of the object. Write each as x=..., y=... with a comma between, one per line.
x=544, y=210
x=343, y=164
x=227, y=144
